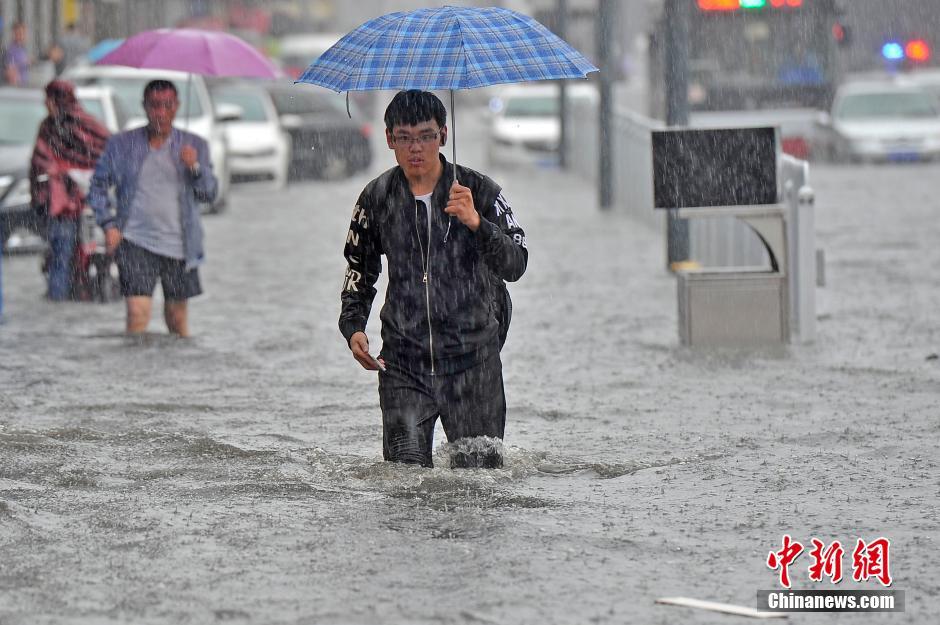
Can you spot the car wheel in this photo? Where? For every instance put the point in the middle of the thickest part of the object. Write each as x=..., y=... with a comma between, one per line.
x=334, y=167
x=220, y=205
x=225, y=186
x=281, y=176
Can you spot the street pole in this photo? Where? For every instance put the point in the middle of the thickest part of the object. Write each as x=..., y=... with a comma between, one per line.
x=605, y=24
x=562, y=10
x=676, y=65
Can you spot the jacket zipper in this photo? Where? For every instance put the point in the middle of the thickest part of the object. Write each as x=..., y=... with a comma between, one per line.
x=426, y=259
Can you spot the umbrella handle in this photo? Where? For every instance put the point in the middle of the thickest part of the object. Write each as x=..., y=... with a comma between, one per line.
x=453, y=137
x=453, y=146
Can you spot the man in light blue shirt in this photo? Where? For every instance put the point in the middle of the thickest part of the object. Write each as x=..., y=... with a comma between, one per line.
x=160, y=175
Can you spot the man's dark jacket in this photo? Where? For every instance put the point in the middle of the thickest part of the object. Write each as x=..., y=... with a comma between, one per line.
x=446, y=324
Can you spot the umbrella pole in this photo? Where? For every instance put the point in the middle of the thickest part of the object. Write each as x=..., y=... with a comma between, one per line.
x=189, y=83
x=453, y=134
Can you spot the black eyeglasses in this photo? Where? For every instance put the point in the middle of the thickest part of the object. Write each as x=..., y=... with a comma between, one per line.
x=424, y=138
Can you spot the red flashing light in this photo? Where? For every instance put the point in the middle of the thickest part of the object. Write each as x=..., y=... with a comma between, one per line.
x=734, y=5
x=917, y=50
x=719, y=5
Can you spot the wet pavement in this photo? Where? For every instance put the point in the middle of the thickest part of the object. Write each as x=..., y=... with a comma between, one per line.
x=236, y=477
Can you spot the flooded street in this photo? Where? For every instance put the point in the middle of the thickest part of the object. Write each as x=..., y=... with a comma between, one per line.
x=237, y=477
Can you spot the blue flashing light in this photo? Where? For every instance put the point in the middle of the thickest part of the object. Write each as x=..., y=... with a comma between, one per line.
x=893, y=51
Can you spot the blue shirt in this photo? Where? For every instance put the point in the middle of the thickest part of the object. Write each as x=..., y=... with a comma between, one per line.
x=120, y=166
x=18, y=57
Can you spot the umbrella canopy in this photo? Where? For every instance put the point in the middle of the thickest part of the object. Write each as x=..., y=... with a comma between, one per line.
x=446, y=48
x=208, y=53
x=102, y=48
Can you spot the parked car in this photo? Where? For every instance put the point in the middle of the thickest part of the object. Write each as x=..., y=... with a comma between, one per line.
x=21, y=112
x=102, y=103
x=197, y=114
x=880, y=121
x=524, y=128
x=296, y=52
x=258, y=145
x=325, y=142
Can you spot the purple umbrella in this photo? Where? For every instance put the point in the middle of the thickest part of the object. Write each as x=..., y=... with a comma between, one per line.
x=202, y=52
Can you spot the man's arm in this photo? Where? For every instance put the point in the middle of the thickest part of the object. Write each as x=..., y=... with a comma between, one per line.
x=101, y=182
x=205, y=184
x=501, y=240
x=364, y=264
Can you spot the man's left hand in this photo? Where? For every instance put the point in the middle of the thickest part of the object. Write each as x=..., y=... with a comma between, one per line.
x=189, y=156
x=460, y=205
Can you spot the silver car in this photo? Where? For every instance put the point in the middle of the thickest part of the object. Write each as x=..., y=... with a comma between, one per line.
x=880, y=121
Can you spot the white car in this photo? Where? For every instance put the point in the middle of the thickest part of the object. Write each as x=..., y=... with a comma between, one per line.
x=880, y=121
x=102, y=103
x=525, y=127
x=197, y=114
x=257, y=144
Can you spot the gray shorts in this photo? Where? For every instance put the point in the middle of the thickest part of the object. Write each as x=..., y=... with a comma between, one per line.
x=139, y=269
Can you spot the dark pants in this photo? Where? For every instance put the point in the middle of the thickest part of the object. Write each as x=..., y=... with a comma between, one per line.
x=139, y=269
x=63, y=237
x=469, y=403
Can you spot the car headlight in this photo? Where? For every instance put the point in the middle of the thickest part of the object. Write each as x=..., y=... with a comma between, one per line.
x=19, y=194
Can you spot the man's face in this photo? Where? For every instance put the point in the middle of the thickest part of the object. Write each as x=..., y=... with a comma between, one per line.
x=19, y=35
x=161, y=107
x=417, y=147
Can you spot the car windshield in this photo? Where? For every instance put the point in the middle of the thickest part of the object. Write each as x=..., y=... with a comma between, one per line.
x=532, y=106
x=297, y=102
x=895, y=105
x=130, y=92
x=249, y=101
x=94, y=107
x=20, y=119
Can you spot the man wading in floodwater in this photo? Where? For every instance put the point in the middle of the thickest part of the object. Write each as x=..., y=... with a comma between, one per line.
x=448, y=246
x=160, y=175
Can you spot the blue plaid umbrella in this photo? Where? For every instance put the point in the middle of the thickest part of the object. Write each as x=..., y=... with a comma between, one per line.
x=446, y=48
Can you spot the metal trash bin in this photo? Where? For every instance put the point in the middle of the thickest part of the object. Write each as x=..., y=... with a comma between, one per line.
x=728, y=172
x=738, y=306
